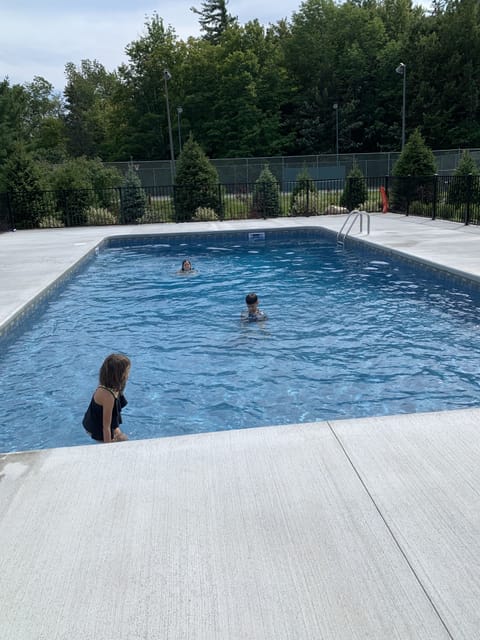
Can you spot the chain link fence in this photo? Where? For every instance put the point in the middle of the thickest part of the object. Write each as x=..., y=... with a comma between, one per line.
x=235, y=171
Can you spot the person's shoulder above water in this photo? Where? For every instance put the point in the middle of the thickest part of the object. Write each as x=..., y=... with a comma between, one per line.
x=253, y=313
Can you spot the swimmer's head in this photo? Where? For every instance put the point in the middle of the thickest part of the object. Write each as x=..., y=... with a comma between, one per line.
x=251, y=298
x=186, y=265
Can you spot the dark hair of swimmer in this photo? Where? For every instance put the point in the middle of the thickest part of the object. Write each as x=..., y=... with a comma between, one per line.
x=251, y=298
x=184, y=264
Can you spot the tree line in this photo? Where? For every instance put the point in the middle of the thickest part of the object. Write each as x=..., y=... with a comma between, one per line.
x=255, y=90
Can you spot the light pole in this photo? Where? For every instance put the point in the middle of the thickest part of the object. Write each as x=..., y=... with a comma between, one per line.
x=179, y=113
x=167, y=76
x=335, y=106
x=402, y=70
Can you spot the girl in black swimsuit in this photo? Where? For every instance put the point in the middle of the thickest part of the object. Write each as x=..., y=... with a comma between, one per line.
x=103, y=417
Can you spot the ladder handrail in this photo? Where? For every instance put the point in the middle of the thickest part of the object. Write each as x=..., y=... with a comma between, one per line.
x=356, y=213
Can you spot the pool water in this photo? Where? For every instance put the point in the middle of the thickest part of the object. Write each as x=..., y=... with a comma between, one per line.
x=349, y=335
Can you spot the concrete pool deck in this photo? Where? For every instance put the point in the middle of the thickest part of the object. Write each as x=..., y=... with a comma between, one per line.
x=337, y=530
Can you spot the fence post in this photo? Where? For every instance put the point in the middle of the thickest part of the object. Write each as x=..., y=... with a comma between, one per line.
x=10, y=213
x=469, y=198
x=435, y=196
x=220, y=200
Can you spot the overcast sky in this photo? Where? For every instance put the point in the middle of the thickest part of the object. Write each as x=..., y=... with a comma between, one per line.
x=38, y=37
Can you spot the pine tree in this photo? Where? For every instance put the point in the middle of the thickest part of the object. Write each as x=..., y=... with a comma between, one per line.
x=414, y=172
x=214, y=19
x=465, y=184
x=355, y=192
x=303, y=184
x=266, y=195
x=133, y=198
x=196, y=183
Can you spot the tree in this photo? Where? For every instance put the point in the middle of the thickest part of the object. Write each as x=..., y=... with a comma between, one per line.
x=196, y=183
x=303, y=184
x=23, y=184
x=465, y=184
x=88, y=100
x=214, y=19
x=266, y=195
x=133, y=198
x=355, y=192
x=137, y=123
x=414, y=171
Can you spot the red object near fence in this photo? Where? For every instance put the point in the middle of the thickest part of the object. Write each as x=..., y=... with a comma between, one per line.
x=383, y=193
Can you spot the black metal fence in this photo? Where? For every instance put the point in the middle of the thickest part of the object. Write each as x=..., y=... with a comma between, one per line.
x=455, y=198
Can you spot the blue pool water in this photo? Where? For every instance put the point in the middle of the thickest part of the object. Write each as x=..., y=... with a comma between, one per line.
x=349, y=334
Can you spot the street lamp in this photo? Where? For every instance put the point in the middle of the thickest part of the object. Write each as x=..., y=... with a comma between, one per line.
x=402, y=70
x=335, y=106
x=167, y=76
x=179, y=113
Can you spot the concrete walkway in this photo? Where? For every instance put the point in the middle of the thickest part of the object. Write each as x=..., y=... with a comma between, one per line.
x=351, y=529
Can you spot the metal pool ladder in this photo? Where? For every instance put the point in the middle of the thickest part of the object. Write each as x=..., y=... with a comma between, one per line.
x=352, y=217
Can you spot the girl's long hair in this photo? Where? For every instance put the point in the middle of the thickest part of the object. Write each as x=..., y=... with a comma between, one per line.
x=114, y=371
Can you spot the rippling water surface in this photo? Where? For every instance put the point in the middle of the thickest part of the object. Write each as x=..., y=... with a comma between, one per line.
x=347, y=336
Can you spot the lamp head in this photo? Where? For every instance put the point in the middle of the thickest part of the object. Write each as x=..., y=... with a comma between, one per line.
x=401, y=68
x=166, y=74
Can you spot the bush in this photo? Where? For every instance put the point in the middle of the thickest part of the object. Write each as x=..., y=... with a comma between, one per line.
x=22, y=181
x=104, y=181
x=306, y=203
x=51, y=222
x=303, y=184
x=266, y=195
x=465, y=184
x=97, y=216
x=451, y=212
x=417, y=208
x=132, y=198
x=204, y=214
x=196, y=183
x=72, y=184
x=355, y=192
x=414, y=169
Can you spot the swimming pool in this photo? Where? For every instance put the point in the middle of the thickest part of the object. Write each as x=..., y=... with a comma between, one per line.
x=349, y=334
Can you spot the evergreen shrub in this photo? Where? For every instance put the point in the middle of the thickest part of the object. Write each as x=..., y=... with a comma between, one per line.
x=355, y=192
x=196, y=183
x=133, y=199
x=266, y=195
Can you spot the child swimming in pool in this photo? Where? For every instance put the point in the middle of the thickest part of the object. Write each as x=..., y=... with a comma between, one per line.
x=103, y=417
x=253, y=313
x=186, y=268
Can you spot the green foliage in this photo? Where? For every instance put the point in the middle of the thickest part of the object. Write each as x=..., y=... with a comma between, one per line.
x=355, y=192
x=214, y=19
x=414, y=169
x=99, y=216
x=51, y=222
x=465, y=185
x=89, y=95
x=80, y=183
x=133, y=198
x=266, y=195
x=307, y=203
x=253, y=90
x=203, y=214
x=196, y=183
x=304, y=183
x=22, y=182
